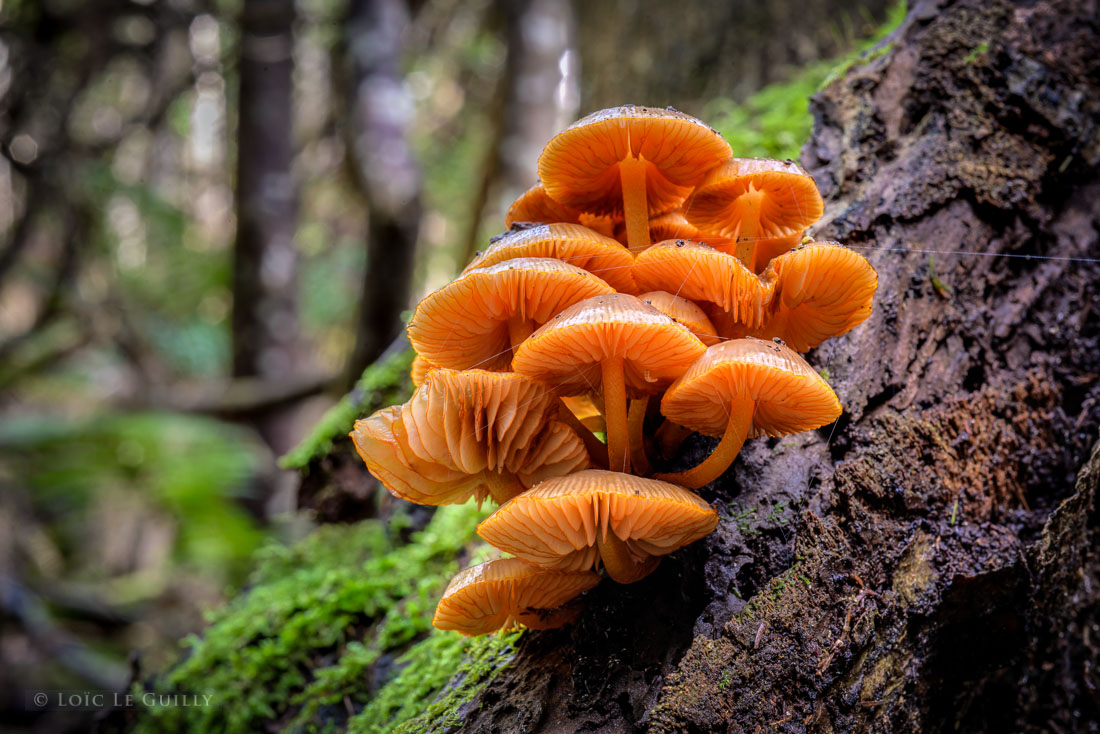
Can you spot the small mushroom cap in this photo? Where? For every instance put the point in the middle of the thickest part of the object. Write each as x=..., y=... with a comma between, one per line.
x=754, y=198
x=685, y=312
x=419, y=369
x=569, y=350
x=586, y=411
x=465, y=323
x=790, y=396
x=698, y=273
x=488, y=596
x=673, y=225
x=580, y=166
x=570, y=243
x=458, y=427
x=535, y=205
x=828, y=289
x=555, y=524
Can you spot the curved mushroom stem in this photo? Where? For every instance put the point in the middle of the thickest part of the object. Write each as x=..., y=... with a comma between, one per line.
x=635, y=207
x=614, y=399
x=737, y=430
x=635, y=423
x=597, y=452
x=503, y=486
x=619, y=561
x=669, y=437
x=519, y=329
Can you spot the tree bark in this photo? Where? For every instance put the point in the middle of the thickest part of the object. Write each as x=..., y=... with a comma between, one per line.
x=927, y=564
x=386, y=169
x=265, y=315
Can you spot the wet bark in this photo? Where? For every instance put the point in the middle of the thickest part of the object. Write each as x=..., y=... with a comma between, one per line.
x=927, y=564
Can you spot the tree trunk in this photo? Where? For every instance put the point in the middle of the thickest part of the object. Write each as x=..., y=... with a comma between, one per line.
x=927, y=564
x=265, y=314
x=386, y=170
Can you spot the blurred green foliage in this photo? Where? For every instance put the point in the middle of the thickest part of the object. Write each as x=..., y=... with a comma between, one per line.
x=194, y=469
x=775, y=122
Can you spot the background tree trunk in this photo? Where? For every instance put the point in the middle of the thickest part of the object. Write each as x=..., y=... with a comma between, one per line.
x=386, y=170
x=928, y=563
x=265, y=321
x=265, y=256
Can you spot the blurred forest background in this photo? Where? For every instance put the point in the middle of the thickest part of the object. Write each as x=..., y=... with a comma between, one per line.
x=214, y=215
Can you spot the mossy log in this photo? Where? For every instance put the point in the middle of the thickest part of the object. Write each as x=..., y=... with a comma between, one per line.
x=927, y=564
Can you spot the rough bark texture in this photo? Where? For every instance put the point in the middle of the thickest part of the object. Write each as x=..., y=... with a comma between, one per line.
x=928, y=564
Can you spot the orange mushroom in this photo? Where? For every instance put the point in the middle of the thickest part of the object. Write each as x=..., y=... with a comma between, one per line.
x=822, y=290
x=479, y=318
x=742, y=388
x=508, y=593
x=636, y=160
x=419, y=369
x=685, y=312
x=536, y=206
x=627, y=522
x=468, y=434
x=762, y=205
x=673, y=225
x=570, y=243
x=617, y=342
x=702, y=274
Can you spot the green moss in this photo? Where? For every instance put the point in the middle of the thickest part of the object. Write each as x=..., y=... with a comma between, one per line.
x=942, y=288
x=383, y=383
x=416, y=700
x=297, y=647
x=980, y=50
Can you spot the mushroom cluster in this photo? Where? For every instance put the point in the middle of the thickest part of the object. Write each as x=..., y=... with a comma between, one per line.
x=575, y=324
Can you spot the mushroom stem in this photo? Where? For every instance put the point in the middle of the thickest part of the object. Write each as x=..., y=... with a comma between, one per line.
x=503, y=486
x=614, y=398
x=519, y=328
x=737, y=430
x=632, y=172
x=597, y=452
x=635, y=423
x=669, y=437
x=620, y=562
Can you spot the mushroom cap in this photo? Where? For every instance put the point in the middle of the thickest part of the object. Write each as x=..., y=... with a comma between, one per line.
x=790, y=396
x=579, y=167
x=685, y=312
x=488, y=596
x=699, y=272
x=586, y=411
x=569, y=350
x=419, y=369
x=555, y=524
x=535, y=205
x=752, y=198
x=465, y=323
x=570, y=243
x=828, y=289
x=437, y=448
x=673, y=225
